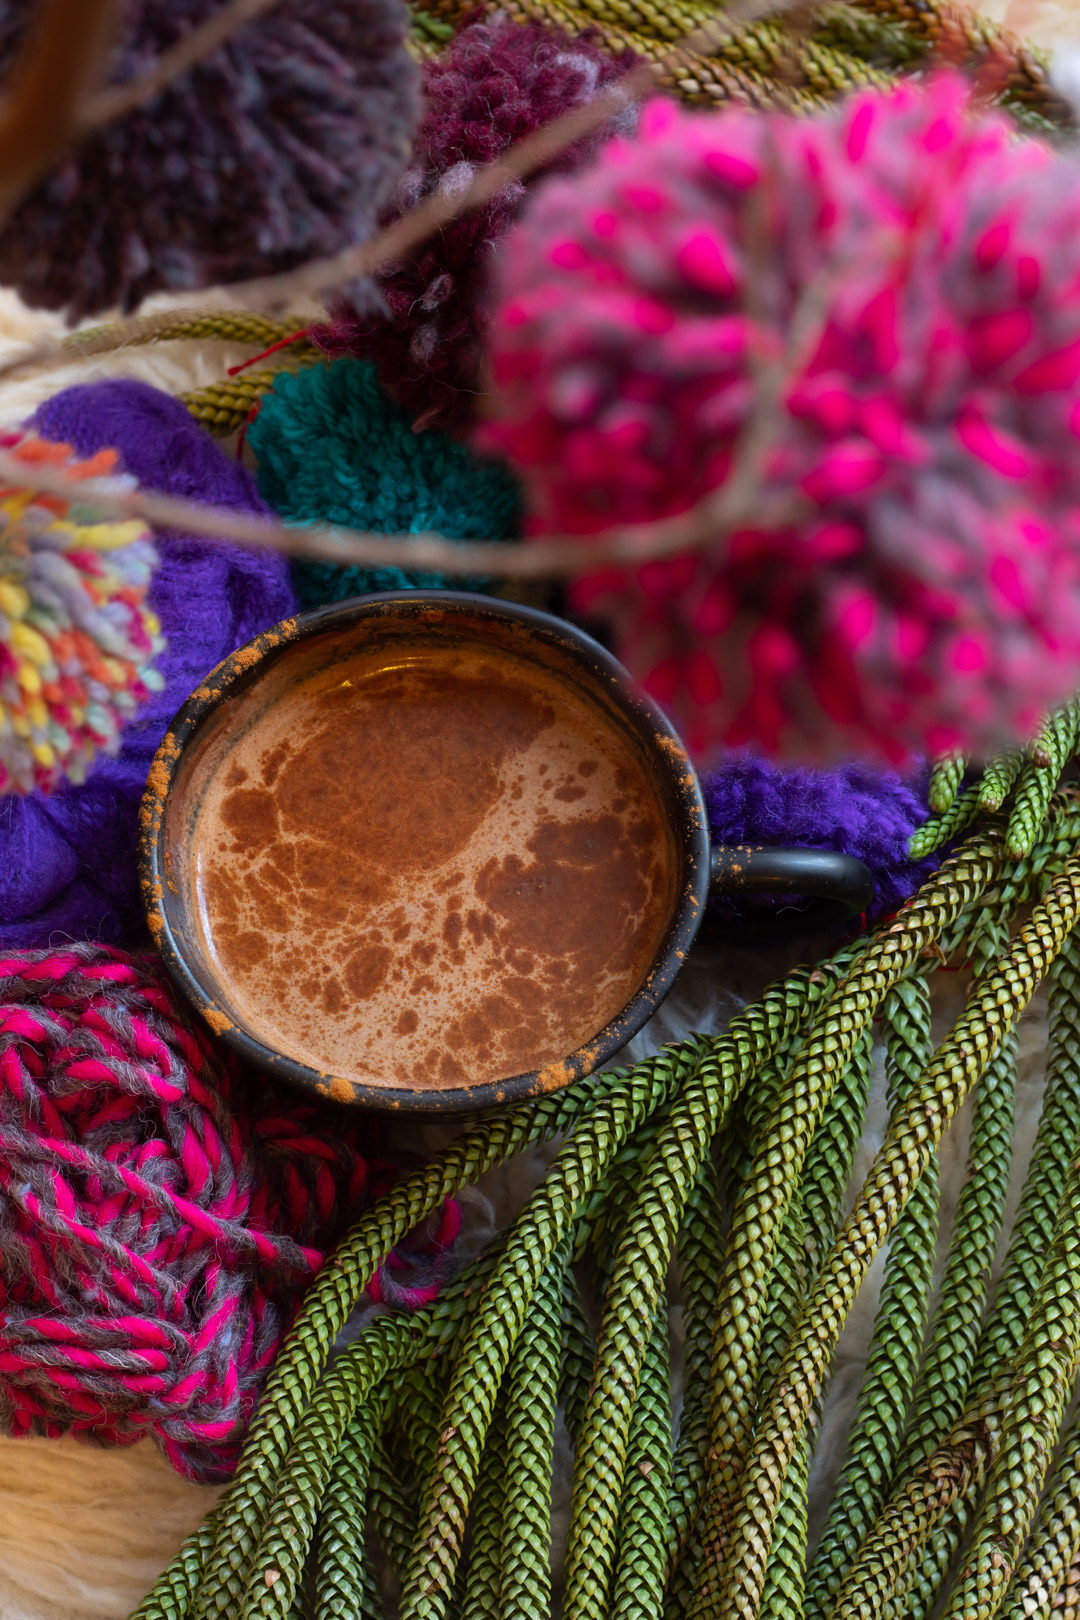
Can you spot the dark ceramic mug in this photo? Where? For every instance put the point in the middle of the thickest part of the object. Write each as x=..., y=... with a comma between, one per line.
x=838, y=883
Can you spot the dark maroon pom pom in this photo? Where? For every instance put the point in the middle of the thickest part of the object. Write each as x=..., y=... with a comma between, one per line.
x=496, y=83
x=280, y=146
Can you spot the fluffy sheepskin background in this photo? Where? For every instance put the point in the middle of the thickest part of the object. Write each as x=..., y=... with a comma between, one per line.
x=83, y=1532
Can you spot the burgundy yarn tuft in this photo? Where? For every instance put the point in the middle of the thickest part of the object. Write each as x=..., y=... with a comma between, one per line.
x=496, y=83
x=923, y=595
x=278, y=147
x=161, y=1213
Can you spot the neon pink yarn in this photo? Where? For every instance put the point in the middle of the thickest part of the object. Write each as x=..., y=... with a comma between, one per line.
x=161, y=1213
x=924, y=594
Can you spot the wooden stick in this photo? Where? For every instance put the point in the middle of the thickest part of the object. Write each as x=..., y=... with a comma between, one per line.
x=59, y=64
x=733, y=506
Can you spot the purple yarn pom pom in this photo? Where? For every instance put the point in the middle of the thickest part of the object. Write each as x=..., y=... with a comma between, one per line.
x=279, y=146
x=854, y=808
x=495, y=84
x=67, y=862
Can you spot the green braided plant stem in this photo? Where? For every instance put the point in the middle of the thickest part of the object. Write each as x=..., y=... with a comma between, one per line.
x=893, y=1358
x=578, y=1357
x=171, y=1596
x=488, y=1341
x=1044, y=1184
x=1059, y=1129
x=481, y=1589
x=998, y=778
x=532, y=1393
x=637, y=1282
x=226, y=325
x=783, y=1594
x=641, y=1555
x=943, y=828
x=391, y=1508
x=1036, y=783
x=830, y=1157
x=975, y=936
x=1034, y=773
x=1024, y=1263
x=1054, y=1546
x=1055, y=741
x=700, y=1250
x=600, y=1225
x=912, y=1138
x=949, y=1357
x=416, y=1394
x=945, y=781
x=884, y=1579
x=765, y=1194
x=1045, y=1368
x=377, y=1357
x=929, y=1570
x=342, y=1280
x=489, y=1338
x=865, y=35
x=805, y=1240
x=343, y=1582
x=1066, y=1605
x=290, y=1518
x=787, y=1288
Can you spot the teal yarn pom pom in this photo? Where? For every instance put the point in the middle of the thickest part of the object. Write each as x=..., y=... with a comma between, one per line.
x=332, y=448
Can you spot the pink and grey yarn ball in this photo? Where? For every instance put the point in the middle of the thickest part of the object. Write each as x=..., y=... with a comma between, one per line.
x=496, y=83
x=279, y=146
x=924, y=594
x=161, y=1214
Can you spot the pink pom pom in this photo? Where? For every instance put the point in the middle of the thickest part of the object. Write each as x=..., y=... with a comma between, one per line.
x=926, y=589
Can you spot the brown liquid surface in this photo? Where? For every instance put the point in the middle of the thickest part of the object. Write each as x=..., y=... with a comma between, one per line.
x=430, y=868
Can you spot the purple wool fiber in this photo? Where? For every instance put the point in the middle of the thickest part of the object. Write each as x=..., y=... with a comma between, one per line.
x=855, y=808
x=67, y=860
x=276, y=147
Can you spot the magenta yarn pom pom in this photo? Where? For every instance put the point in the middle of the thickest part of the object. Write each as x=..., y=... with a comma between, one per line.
x=496, y=83
x=924, y=594
x=277, y=147
x=161, y=1214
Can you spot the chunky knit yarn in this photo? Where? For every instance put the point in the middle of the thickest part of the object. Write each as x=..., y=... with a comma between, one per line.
x=333, y=448
x=497, y=82
x=161, y=1214
x=924, y=594
x=77, y=636
x=277, y=147
x=852, y=808
x=67, y=860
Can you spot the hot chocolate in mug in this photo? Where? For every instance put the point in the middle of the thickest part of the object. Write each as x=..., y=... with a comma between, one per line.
x=435, y=851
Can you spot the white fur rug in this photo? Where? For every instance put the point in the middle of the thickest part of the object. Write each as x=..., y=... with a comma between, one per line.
x=84, y=1532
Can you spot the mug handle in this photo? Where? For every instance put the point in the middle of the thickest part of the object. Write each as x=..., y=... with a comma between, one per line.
x=843, y=883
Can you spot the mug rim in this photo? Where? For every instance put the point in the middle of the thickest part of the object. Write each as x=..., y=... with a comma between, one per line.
x=240, y=670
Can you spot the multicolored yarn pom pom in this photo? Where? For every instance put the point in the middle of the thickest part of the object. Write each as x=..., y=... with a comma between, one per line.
x=161, y=1213
x=277, y=147
x=333, y=448
x=77, y=636
x=496, y=83
x=923, y=596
